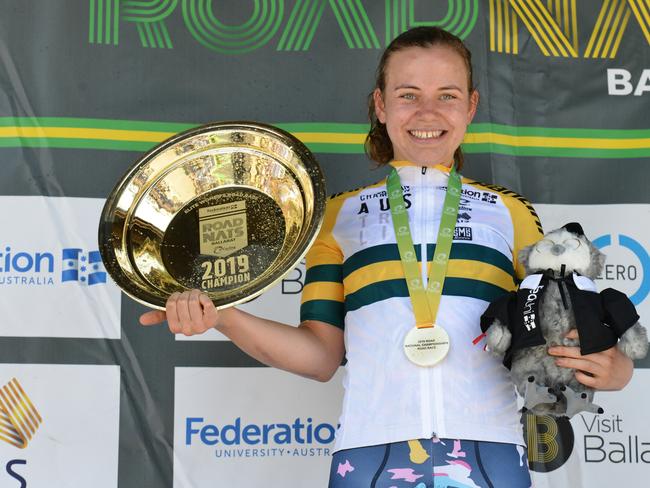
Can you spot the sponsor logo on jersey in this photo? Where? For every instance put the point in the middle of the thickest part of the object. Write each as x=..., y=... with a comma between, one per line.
x=462, y=233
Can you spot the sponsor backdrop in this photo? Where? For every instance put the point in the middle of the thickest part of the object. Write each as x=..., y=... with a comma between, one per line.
x=90, y=398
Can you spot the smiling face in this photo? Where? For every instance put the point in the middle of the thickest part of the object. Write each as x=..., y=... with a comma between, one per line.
x=426, y=104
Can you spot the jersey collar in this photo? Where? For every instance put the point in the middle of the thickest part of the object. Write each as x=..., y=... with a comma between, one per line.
x=408, y=164
x=418, y=174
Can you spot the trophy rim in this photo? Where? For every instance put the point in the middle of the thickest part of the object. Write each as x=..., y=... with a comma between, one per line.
x=154, y=298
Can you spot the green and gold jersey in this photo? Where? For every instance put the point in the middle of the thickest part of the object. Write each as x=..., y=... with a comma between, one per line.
x=355, y=281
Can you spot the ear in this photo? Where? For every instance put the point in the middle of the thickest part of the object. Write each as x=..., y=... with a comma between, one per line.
x=380, y=108
x=574, y=228
x=473, y=105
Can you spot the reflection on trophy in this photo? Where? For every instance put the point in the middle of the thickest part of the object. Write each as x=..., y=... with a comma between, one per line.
x=228, y=208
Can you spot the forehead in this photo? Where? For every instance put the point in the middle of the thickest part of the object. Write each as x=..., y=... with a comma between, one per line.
x=433, y=64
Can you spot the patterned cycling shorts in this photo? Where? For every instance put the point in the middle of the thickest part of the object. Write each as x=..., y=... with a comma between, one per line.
x=432, y=463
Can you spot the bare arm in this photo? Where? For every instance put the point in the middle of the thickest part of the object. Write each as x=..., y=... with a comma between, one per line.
x=314, y=349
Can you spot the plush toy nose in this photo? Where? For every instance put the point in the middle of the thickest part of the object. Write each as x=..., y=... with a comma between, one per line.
x=557, y=249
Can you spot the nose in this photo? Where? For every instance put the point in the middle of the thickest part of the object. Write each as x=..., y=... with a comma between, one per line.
x=429, y=106
x=557, y=249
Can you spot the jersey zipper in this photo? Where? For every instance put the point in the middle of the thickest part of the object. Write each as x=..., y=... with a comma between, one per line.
x=425, y=206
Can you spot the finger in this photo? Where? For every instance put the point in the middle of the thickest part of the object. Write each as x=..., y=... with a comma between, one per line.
x=195, y=309
x=184, y=313
x=210, y=314
x=153, y=317
x=171, y=308
x=587, y=380
x=585, y=365
x=572, y=334
x=565, y=351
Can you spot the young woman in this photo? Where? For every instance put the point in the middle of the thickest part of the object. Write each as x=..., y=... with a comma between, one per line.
x=410, y=417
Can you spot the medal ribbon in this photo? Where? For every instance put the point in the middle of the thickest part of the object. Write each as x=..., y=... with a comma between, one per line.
x=425, y=302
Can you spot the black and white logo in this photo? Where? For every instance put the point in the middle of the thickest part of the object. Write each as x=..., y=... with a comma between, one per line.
x=489, y=197
x=463, y=234
x=529, y=321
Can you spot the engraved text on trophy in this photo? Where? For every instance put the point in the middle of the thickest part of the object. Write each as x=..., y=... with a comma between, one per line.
x=223, y=229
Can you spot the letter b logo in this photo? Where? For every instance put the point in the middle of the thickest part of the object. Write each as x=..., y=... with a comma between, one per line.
x=550, y=441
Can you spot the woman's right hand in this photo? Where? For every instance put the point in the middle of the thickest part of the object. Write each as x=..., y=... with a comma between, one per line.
x=188, y=313
x=314, y=349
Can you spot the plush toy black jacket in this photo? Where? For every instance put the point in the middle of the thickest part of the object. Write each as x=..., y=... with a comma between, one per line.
x=601, y=318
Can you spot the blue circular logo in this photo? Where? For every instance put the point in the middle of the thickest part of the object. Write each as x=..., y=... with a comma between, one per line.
x=640, y=252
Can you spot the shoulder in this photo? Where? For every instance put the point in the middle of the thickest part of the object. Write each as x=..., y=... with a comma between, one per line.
x=505, y=193
x=344, y=195
x=338, y=200
x=334, y=205
x=519, y=206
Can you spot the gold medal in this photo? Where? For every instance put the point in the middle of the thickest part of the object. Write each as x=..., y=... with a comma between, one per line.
x=426, y=346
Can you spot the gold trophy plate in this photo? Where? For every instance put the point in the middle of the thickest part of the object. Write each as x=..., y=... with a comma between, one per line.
x=228, y=208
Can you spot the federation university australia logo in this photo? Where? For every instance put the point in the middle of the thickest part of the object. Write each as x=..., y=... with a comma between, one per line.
x=83, y=268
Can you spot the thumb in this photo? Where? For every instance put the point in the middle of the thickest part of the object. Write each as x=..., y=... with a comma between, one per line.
x=153, y=317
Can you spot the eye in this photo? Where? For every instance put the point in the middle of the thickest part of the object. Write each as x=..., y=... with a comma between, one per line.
x=544, y=245
x=447, y=96
x=572, y=243
x=408, y=96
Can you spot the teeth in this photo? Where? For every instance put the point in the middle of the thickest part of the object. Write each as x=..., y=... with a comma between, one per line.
x=426, y=134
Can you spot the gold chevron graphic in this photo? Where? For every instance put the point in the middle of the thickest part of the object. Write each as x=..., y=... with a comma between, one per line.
x=19, y=419
x=548, y=35
x=554, y=26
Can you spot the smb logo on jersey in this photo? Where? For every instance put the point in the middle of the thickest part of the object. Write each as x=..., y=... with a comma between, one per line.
x=85, y=268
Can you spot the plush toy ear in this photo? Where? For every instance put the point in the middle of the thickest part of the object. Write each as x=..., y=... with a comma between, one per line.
x=574, y=228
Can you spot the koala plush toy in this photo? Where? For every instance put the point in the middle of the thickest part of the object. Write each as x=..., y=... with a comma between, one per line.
x=557, y=295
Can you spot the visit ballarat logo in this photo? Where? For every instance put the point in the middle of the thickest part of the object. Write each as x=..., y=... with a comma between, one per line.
x=44, y=268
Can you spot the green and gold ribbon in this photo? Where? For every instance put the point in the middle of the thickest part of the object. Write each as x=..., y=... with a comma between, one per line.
x=425, y=302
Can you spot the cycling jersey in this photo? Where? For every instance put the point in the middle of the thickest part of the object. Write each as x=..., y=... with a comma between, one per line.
x=355, y=281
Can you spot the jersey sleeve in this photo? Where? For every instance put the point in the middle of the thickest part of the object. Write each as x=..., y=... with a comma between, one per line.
x=527, y=229
x=322, y=295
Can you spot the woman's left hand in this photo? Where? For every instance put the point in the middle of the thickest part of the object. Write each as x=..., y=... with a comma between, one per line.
x=606, y=370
